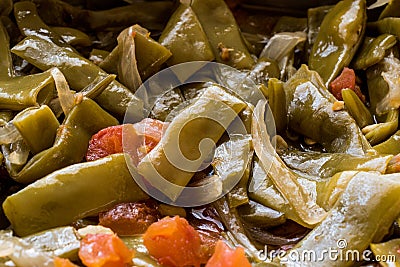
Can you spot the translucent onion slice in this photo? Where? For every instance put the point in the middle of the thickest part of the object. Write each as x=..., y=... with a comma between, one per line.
x=128, y=72
x=378, y=3
x=281, y=48
x=392, y=98
x=22, y=253
x=19, y=153
x=9, y=134
x=283, y=178
x=65, y=95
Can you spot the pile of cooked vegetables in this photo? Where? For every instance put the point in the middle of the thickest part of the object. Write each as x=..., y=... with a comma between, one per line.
x=326, y=179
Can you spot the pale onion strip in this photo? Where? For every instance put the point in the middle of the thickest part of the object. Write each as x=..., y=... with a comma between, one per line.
x=128, y=72
x=19, y=153
x=22, y=253
x=283, y=178
x=65, y=95
x=392, y=98
x=378, y=3
x=9, y=134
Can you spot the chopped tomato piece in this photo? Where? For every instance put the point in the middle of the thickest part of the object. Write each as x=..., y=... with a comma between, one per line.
x=109, y=140
x=106, y=142
x=104, y=250
x=60, y=262
x=173, y=242
x=347, y=79
x=130, y=218
x=224, y=256
x=152, y=130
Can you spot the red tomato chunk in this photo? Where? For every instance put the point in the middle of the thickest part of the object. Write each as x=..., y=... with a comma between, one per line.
x=130, y=218
x=224, y=256
x=347, y=79
x=104, y=250
x=173, y=242
x=147, y=133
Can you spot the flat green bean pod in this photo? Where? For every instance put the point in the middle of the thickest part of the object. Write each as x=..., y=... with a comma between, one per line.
x=340, y=35
x=75, y=192
x=71, y=142
x=78, y=71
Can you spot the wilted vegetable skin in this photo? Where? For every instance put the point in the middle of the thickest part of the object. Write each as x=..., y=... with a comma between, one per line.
x=325, y=165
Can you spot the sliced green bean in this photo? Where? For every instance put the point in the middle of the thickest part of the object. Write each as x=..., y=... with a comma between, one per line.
x=377, y=133
x=79, y=72
x=72, y=193
x=388, y=25
x=277, y=103
x=73, y=36
x=6, y=65
x=71, y=143
x=356, y=108
x=390, y=146
x=185, y=38
x=373, y=50
x=223, y=33
x=26, y=91
x=341, y=33
x=30, y=24
x=391, y=10
x=38, y=127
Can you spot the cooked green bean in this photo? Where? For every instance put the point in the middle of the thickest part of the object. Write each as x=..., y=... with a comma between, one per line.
x=310, y=112
x=185, y=38
x=73, y=36
x=388, y=25
x=373, y=50
x=390, y=146
x=341, y=33
x=6, y=65
x=356, y=108
x=190, y=127
x=26, y=91
x=277, y=103
x=30, y=24
x=74, y=192
x=368, y=205
x=71, y=142
x=38, y=127
x=225, y=38
x=79, y=72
